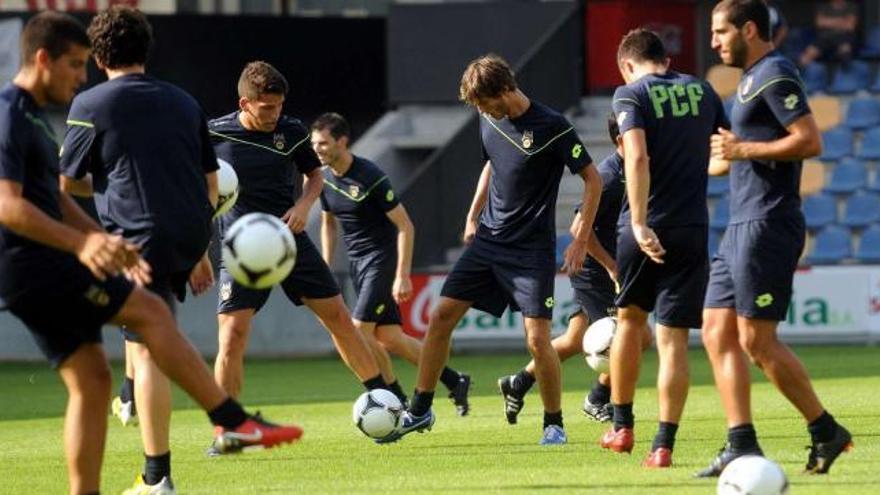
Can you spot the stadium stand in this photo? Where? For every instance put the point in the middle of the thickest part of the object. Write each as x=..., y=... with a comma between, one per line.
x=723, y=79
x=871, y=48
x=870, y=148
x=815, y=77
x=869, y=247
x=836, y=144
x=832, y=245
x=850, y=78
x=847, y=177
x=827, y=111
x=861, y=210
x=812, y=177
x=863, y=113
x=718, y=186
x=820, y=210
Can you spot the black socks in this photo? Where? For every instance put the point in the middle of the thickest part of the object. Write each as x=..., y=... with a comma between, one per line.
x=553, y=419
x=623, y=416
x=374, y=383
x=450, y=377
x=665, y=436
x=421, y=403
x=229, y=414
x=823, y=428
x=156, y=467
x=522, y=382
x=600, y=394
x=743, y=437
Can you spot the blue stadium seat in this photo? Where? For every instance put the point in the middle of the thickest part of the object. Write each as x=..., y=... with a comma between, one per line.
x=847, y=177
x=714, y=242
x=815, y=77
x=562, y=242
x=869, y=247
x=820, y=210
x=851, y=77
x=718, y=186
x=861, y=210
x=833, y=245
x=874, y=185
x=875, y=88
x=871, y=48
x=721, y=215
x=863, y=113
x=870, y=149
x=836, y=144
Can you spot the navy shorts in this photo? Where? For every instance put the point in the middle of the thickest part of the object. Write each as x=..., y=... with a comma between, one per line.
x=171, y=288
x=310, y=279
x=673, y=290
x=373, y=283
x=754, y=268
x=595, y=299
x=69, y=313
x=493, y=277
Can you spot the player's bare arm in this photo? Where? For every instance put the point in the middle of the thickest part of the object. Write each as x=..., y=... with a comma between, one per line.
x=582, y=228
x=803, y=141
x=298, y=215
x=81, y=188
x=597, y=251
x=479, y=201
x=402, y=289
x=638, y=184
x=213, y=189
x=719, y=166
x=328, y=236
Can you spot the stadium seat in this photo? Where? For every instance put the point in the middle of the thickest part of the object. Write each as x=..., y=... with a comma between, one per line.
x=869, y=246
x=851, y=77
x=718, y=186
x=875, y=88
x=847, y=177
x=815, y=77
x=826, y=111
x=836, y=144
x=861, y=210
x=870, y=149
x=721, y=214
x=863, y=113
x=871, y=47
x=723, y=79
x=714, y=242
x=562, y=242
x=833, y=245
x=819, y=210
x=812, y=177
x=874, y=185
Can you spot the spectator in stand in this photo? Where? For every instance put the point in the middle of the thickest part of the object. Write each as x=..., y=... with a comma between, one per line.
x=836, y=23
x=778, y=24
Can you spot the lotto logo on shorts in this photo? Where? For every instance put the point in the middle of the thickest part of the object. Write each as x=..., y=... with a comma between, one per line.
x=380, y=309
x=764, y=300
x=549, y=302
x=97, y=296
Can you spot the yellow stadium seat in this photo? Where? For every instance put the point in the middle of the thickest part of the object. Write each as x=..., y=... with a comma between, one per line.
x=723, y=79
x=826, y=111
x=812, y=177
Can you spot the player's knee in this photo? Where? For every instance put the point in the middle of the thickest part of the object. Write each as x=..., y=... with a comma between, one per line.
x=443, y=316
x=756, y=348
x=233, y=338
x=95, y=381
x=147, y=310
x=538, y=342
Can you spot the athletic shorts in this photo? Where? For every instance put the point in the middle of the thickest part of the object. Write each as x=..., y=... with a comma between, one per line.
x=753, y=270
x=171, y=288
x=673, y=290
x=596, y=299
x=310, y=279
x=373, y=284
x=493, y=277
x=69, y=313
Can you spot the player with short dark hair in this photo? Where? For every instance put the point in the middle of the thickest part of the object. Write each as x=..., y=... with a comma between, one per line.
x=750, y=284
x=53, y=255
x=379, y=238
x=510, y=258
x=267, y=149
x=666, y=119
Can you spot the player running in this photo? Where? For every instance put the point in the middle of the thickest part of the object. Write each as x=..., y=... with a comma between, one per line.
x=379, y=238
x=510, y=259
x=60, y=271
x=750, y=284
x=666, y=119
x=594, y=290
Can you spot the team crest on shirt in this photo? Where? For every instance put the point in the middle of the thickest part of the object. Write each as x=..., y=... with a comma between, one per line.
x=748, y=85
x=279, y=140
x=354, y=190
x=528, y=137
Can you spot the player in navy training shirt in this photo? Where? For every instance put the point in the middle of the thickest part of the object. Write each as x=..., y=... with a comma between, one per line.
x=59, y=270
x=666, y=119
x=510, y=259
x=266, y=149
x=750, y=284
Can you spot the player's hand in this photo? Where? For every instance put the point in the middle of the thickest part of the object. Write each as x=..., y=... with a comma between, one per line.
x=470, y=230
x=726, y=145
x=574, y=256
x=296, y=218
x=139, y=272
x=105, y=255
x=402, y=290
x=202, y=276
x=649, y=242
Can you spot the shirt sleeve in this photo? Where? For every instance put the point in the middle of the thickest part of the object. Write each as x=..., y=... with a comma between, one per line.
x=569, y=148
x=786, y=99
x=12, y=146
x=209, y=156
x=383, y=195
x=303, y=155
x=627, y=110
x=76, y=152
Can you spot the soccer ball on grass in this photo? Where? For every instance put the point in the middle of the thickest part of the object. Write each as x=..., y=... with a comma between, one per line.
x=597, y=343
x=377, y=413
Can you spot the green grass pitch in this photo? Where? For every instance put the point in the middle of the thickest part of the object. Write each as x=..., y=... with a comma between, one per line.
x=476, y=454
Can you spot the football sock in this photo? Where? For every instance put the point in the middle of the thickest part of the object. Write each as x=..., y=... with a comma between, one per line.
x=823, y=428
x=600, y=394
x=523, y=381
x=449, y=377
x=421, y=403
x=742, y=437
x=374, y=383
x=553, y=419
x=396, y=390
x=665, y=436
x=229, y=414
x=126, y=391
x=156, y=467
x=623, y=416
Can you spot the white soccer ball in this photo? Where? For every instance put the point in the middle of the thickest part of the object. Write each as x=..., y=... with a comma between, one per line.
x=259, y=250
x=597, y=343
x=227, y=187
x=752, y=475
x=377, y=413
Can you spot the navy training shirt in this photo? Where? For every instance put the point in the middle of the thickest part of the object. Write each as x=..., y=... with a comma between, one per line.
x=265, y=162
x=145, y=143
x=770, y=97
x=605, y=224
x=361, y=199
x=679, y=113
x=527, y=156
x=28, y=156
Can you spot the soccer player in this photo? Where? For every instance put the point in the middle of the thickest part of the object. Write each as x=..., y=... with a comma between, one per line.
x=594, y=289
x=266, y=149
x=750, y=284
x=510, y=258
x=379, y=238
x=666, y=119
x=60, y=271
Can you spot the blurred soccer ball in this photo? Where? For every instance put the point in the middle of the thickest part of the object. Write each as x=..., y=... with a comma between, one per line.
x=752, y=475
x=259, y=250
x=377, y=413
x=597, y=343
x=227, y=186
